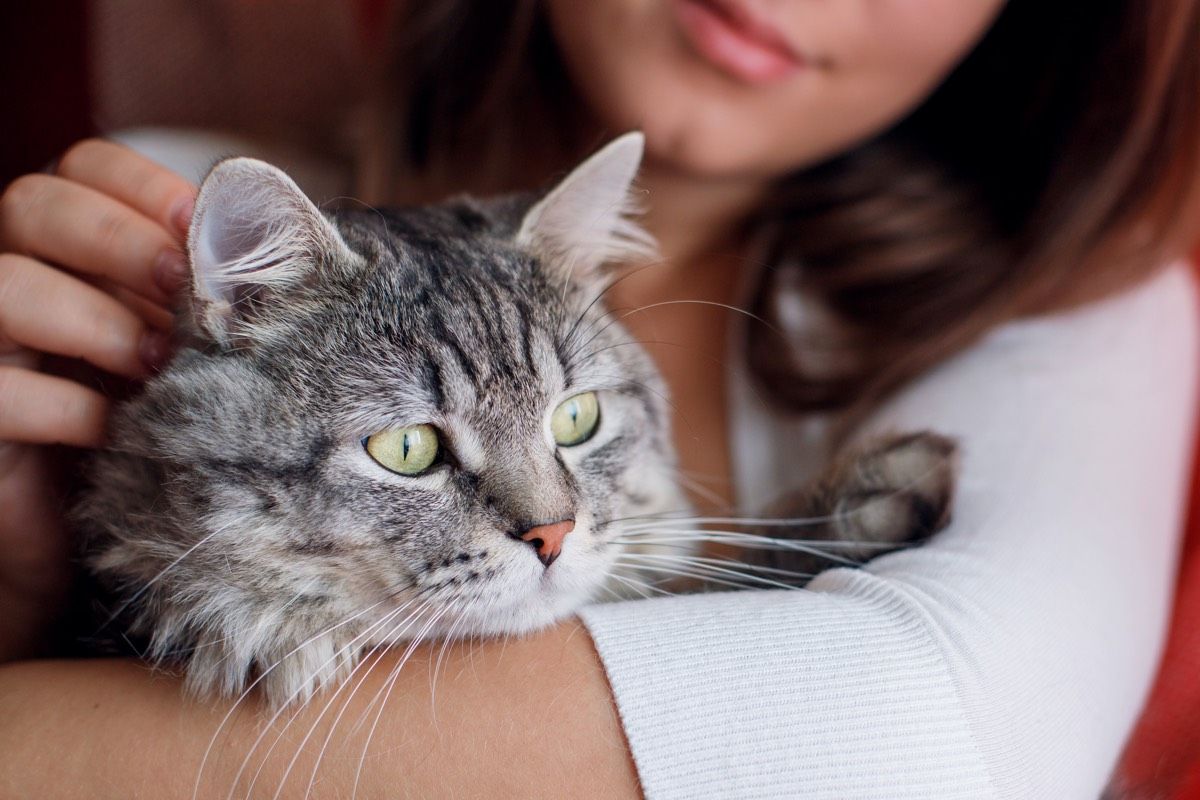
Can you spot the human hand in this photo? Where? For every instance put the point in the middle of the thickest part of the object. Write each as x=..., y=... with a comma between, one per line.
x=89, y=258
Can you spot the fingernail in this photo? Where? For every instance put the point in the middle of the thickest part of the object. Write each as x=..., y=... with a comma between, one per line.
x=154, y=349
x=170, y=270
x=181, y=215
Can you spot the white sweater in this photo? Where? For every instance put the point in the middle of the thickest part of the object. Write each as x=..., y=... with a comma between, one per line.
x=1010, y=656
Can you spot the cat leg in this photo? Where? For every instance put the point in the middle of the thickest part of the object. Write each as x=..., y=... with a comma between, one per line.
x=892, y=491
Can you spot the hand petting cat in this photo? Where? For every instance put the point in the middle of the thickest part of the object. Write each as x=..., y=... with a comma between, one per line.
x=88, y=258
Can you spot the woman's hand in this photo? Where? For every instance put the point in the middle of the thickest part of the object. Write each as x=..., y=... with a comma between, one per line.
x=89, y=258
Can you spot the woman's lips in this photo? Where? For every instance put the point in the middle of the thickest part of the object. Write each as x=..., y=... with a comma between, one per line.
x=741, y=47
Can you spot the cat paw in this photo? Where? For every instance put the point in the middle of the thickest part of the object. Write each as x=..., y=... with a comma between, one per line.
x=896, y=490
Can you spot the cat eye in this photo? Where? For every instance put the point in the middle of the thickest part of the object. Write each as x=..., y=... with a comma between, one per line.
x=405, y=451
x=575, y=419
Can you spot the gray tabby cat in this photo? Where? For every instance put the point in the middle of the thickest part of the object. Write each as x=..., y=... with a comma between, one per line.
x=389, y=425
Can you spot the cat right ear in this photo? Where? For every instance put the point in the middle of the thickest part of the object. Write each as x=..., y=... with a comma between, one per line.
x=587, y=221
x=254, y=232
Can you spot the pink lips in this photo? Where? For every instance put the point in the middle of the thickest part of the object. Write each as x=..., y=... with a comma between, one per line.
x=726, y=35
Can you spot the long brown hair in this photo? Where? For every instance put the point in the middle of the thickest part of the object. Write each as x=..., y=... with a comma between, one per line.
x=1058, y=163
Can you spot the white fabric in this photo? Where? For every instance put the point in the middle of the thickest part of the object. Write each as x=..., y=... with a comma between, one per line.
x=1009, y=657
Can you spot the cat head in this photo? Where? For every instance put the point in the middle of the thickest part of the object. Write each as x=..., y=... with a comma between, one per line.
x=383, y=425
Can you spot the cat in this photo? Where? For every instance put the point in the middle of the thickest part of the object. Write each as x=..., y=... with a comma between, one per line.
x=387, y=425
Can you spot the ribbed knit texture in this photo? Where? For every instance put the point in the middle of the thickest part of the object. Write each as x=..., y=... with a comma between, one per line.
x=1008, y=658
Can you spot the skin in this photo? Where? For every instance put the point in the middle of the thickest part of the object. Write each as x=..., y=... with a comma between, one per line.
x=89, y=256
x=489, y=724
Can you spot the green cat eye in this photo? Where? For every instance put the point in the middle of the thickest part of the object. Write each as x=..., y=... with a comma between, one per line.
x=407, y=451
x=576, y=419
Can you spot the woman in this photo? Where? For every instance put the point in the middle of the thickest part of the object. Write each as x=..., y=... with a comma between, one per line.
x=964, y=211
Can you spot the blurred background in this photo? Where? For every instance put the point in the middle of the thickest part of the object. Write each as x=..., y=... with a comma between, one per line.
x=289, y=72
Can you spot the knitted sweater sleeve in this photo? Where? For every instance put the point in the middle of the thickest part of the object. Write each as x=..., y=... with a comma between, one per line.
x=1008, y=658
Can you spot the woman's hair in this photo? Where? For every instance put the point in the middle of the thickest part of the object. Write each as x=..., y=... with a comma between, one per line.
x=1059, y=162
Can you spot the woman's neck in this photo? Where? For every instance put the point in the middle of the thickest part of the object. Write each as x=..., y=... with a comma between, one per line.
x=694, y=218
x=677, y=309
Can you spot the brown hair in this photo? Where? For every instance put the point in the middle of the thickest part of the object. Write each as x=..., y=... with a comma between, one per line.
x=1058, y=163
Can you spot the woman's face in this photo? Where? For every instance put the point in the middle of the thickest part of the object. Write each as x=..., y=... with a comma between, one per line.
x=757, y=88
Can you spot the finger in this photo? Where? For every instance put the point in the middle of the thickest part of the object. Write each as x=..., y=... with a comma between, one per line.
x=43, y=409
x=150, y=312
x=67, y=223
x=45, y=309
x=156, y=316
x=149, y=188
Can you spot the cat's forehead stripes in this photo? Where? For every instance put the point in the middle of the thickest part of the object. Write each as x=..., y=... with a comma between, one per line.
x=486, y=323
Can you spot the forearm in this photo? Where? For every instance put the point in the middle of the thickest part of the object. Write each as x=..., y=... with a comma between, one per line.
x=532, y=717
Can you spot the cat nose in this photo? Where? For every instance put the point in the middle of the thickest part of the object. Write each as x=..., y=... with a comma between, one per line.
x=547, y=539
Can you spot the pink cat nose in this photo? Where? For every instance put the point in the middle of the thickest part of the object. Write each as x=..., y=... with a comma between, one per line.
x=548, y=539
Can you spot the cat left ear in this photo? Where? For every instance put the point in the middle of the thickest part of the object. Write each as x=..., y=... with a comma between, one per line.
x=585, y=221
x=253, y=229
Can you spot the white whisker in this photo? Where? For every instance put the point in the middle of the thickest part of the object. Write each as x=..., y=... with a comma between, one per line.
x=641, y=586
x=145, y=587
x=709, y=568
x=332, y=699
x=284, y=705
x=382, y=644
x=389, y=684
x=212, y=742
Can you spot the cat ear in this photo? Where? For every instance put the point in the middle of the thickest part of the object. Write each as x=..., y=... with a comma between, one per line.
x=253, y=230
x=585, y=221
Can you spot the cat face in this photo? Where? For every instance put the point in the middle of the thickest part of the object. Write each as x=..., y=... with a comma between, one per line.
x=387, y=425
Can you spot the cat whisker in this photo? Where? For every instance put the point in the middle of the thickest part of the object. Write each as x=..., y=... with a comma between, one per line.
x=616, y=319
x=611, y=593
x=731, y=564
x=709, y=570
x=641, y=587
x=411, y=643
x=382, y=644
x=355, y=642
x=390, y=684
x=687, y=573
x=818, y=548
x=695, y=485
x=756, y=521
x=625, y=380
x=668, y=515
x=753, y=541
x=263, y=674
x=145, y=587
x=447, y=641
x=295, y=598
x=600, y=296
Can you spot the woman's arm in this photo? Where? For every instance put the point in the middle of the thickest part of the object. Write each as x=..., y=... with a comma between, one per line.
x=530, y=717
